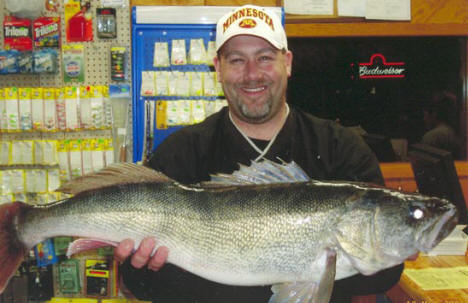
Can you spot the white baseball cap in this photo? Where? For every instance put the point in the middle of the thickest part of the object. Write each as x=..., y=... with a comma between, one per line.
x=251, y=20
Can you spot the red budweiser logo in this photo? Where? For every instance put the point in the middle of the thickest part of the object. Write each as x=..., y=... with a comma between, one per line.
x=378, y=67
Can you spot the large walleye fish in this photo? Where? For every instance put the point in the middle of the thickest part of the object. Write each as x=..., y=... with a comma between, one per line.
x=265, y=224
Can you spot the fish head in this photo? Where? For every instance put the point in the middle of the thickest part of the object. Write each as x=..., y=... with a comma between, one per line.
x=390, y=226
x=408, y=223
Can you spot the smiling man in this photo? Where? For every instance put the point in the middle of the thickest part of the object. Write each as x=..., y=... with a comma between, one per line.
x=253, y=64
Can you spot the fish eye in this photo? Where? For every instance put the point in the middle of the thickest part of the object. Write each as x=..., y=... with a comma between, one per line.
x=416, y=212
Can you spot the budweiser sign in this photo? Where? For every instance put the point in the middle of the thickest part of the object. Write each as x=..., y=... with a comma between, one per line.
x=378, y=67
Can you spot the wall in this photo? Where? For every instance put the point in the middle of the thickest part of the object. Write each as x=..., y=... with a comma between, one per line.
x=428, y=18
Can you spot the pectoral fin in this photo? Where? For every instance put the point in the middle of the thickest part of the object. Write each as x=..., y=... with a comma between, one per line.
x=308, y=291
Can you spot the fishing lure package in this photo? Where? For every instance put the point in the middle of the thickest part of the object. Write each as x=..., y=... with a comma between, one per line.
x=197, y=51
x=85, y=107
x=25, y=108
x=53, y=179
x=50, y=110
x=196, y=84
x=46, y=32
x=178, y=53
x=161, y=54
x=45, y=61
x=148, y=83
x=108, y=118
x=106, y=24
x=17, y=34
x=71, y=109
x=75, y=158
x=35, y=180
x=118, y=63
x=60, y=108
x=209, y=85
x=162, y=83
x=9, y=62
x=22, y=152
x=12, y=181
x=73, y=63
x=87, y=156
x=5, y=152
x=37, y=101
x=11, y=109
x=25, y=62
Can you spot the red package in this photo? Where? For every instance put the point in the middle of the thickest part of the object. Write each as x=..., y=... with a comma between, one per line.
x=46, y=32
x=17, y=34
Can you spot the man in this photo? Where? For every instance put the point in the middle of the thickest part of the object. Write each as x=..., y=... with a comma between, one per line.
x=439, y=115
x=253, y=65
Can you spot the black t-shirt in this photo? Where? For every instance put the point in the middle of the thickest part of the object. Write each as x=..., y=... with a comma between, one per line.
x=324, y=149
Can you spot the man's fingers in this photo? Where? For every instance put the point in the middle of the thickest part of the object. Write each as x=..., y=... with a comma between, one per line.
x=123, y=250
x=141, y=257
x=159, y=259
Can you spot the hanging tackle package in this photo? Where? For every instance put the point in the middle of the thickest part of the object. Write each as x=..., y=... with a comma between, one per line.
x=106, y=23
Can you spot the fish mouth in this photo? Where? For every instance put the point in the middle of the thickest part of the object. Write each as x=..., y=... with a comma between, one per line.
x=439, y=230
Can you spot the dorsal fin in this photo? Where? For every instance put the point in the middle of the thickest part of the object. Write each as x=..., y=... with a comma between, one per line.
x=264, y=172
x=114, y=174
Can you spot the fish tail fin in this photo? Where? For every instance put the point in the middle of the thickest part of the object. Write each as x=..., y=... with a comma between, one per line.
x=12, y=251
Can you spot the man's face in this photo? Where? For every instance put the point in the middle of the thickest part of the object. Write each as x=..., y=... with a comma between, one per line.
x=254, y=77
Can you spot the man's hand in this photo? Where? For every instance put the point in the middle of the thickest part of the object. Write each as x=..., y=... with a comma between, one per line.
x=142, y=255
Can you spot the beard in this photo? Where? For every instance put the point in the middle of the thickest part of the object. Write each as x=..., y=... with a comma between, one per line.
x=257, y=115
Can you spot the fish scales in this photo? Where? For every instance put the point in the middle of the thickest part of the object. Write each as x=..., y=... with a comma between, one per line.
x=253, y=229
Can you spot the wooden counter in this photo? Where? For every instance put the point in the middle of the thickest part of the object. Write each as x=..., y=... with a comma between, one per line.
x=408, y=291
x=399, y=175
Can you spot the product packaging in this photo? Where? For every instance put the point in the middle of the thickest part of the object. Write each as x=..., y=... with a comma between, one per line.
x=25, y=62
x=161, y=55
x=108, y=119
x=209, y=84
x=162, y=85
x=85, y=107
x=73, y=63
x=50, y=110
x=46, y=32
x=3, y=115
x=9, y=62
x=87, y=156
x=12, y=181
x=118, y=63
x=37, y=100
x=25, y=116
x=196, y=84
x=97, y=107
x=11, y=109
x=5, y=152
x=197, y=52
x=71, y=108
x=178, y=53
x=45, y=61
x=148, y=83
x=78, y=21
x=198, y=111
x=53, y=179
x=17, y=34
x=60, y=107
x=106, y=24
x=62, y=153
x=50, y=148
x=98, y=147
x=76, y=161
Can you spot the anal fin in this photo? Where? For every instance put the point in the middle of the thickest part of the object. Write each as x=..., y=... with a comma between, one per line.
x=308, y=291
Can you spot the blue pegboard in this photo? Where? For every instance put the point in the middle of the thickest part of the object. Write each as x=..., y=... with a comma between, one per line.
x=144, y=36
